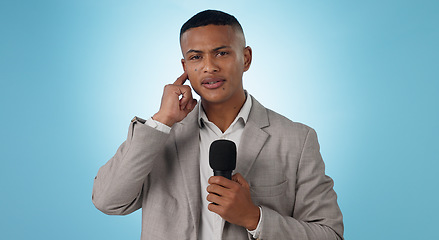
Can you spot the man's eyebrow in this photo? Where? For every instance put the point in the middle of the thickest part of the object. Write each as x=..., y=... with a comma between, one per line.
x=213, y=50
x=219, y=48
x=193, y=51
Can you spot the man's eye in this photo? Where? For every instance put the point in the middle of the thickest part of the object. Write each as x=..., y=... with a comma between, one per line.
x=222, y=53
x=196, y=57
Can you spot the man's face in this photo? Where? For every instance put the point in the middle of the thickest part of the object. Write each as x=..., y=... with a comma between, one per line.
x=215, y=58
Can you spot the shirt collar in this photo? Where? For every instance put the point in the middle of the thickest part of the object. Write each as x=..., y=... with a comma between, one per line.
x=243, y=113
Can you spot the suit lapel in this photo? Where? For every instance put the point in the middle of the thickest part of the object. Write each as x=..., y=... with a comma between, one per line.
x=188, y=150
x=253, y=138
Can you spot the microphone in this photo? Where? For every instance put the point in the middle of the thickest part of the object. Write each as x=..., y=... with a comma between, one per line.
x=222, y=158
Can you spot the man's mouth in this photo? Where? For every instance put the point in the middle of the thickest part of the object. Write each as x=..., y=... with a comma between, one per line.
x=212, y=83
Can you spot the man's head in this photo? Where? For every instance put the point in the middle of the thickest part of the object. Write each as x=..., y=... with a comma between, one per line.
x=212, y=17
x=215, y=57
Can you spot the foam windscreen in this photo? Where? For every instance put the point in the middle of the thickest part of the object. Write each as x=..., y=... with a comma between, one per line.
x=222, y=155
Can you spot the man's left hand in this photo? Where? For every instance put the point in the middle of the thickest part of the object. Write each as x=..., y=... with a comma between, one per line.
x=232, y=201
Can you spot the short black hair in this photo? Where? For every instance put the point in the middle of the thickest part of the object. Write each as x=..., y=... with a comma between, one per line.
x=208, y=17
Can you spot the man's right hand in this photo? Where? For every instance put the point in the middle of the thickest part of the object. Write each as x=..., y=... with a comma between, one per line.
x=173, y=108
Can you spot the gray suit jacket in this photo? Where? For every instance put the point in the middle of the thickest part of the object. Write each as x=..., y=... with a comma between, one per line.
x=279, y=158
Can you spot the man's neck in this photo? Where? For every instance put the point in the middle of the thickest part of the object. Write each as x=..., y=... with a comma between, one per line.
x=223, y=114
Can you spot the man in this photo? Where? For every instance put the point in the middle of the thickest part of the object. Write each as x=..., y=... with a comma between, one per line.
x=279, y=189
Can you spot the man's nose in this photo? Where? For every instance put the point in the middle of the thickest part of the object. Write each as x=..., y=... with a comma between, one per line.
x=210, y=65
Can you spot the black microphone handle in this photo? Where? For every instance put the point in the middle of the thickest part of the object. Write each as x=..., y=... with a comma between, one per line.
x=226, y=174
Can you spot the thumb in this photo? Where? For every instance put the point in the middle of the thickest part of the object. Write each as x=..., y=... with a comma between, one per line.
x=241, y=180
x=190, y=106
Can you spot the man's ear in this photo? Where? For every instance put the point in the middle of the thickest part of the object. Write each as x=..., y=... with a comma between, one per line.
x=247, y=58
x=183, y=63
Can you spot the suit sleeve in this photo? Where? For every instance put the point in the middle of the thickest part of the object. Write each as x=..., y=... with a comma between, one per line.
x=316, y=213
x=118, y=186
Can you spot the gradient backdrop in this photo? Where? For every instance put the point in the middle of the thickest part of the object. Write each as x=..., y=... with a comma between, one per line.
x=364, y=74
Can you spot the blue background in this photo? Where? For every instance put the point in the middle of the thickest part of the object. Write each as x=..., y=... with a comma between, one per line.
x=364, y=74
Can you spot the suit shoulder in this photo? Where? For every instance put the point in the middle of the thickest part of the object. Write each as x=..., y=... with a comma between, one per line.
x=279, y=121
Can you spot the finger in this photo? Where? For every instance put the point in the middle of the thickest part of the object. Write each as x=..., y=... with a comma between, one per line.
x=213, y=198
x=222, y=181
x=216, y=189
x=186, y=96
x=181, y=80
x=241, y=180
x=214, y=208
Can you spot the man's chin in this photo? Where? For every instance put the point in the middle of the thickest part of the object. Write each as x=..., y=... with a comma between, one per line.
x=212, y=100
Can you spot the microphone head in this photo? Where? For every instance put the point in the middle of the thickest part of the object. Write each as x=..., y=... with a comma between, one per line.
x=222, y=155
